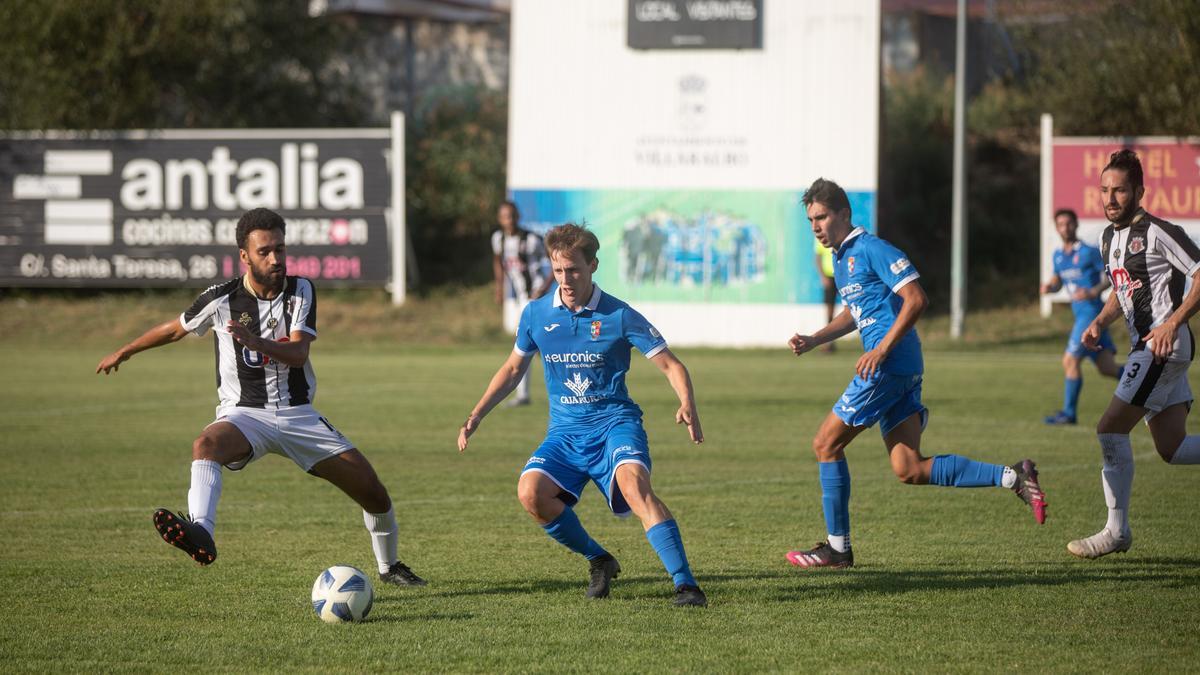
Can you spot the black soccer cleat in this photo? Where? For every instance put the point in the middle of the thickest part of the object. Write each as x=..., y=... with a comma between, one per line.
x=602, y=571
x=399, y=574
x=1029, y=489
x=822, y=555
x=185, y=535
x=687, y=595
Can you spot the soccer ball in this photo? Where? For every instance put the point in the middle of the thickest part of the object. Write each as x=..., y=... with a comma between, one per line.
x=342, y=594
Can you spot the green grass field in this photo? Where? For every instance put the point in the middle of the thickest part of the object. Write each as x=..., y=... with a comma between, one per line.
x=947, y=580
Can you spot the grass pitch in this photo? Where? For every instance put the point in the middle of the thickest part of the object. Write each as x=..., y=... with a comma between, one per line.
x=957, y=580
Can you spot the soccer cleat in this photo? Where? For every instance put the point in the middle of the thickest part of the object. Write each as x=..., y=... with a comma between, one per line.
x=1059, y=418
x=687, y=595
x=1028, y=489
x=1100, y=544
x=602, y=571
x=185, y=535
x=823, y=555
x=399, y=574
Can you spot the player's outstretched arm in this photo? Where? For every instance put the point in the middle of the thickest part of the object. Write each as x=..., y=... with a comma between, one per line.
x=502, y=384
x=842, y=324
x=1051, y=286
x=681, y=382
x=162, y=334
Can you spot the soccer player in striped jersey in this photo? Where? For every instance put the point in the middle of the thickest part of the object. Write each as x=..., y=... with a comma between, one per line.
x=1080, y=269
x=264, y=323
x=883, y=299
x=1149, y=262
x=522, y=273
x=585, y=338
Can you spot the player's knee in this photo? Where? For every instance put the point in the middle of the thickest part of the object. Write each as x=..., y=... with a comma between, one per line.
x=376, y=498
x=531, y=500
x=824, y=450
x=908, y=474
x=204, y=447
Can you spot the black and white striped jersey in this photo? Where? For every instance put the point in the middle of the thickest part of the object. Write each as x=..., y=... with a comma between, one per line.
x=248, y=378
x=1149, y=262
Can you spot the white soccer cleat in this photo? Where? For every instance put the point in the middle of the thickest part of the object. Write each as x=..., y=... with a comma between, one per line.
x=1100, y=544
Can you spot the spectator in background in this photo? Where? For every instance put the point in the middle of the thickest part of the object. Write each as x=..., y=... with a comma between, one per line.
x=823, y=259
x=522, y=273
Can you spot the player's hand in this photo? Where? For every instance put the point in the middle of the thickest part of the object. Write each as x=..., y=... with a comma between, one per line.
x=465, y=431
x=1161, y=340
x=687, y=415
x=802, y=343
x=869, y=362
x=1091, y=337
x=244, y=336
x=112, y=362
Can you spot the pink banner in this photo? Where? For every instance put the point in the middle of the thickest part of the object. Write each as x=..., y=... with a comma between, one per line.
x=1171, y=171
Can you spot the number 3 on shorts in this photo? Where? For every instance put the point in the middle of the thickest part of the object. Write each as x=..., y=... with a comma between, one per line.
x=1130, y=373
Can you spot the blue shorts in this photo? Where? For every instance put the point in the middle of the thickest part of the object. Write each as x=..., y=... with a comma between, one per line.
x=571, y=458
x=886, y=399
x=1075, y=343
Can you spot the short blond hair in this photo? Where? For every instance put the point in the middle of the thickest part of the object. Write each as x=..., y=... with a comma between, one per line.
x=569, y=237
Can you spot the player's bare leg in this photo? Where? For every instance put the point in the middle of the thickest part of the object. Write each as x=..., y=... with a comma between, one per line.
x=829, y=446
x=542, y=499
x=1116, y=478
x=219, y=444
x=633, y=480
x=903, y=445
x=353, y=474
x=1107, y=364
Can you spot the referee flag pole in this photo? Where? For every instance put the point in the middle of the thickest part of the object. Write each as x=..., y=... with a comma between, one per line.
x=958, y=229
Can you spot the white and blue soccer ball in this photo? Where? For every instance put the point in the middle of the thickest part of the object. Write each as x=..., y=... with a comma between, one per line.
x=342, y=594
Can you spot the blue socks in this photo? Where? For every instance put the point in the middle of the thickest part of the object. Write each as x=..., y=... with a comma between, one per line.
x=835, y=496
x=1071, y=390
x=568, y=531
x=668, y=544
x=958, y=471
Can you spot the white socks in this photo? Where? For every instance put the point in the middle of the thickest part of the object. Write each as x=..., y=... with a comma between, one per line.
x=1188, y=451
x=840, y=543
x=204, y=493
x=523, y=388
x=1117, y=479
x=1009, y=478
x=384, y=536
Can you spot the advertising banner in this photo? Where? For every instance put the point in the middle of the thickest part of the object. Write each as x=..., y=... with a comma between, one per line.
x=159, y=209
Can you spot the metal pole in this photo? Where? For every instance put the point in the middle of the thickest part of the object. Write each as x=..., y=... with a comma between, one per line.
x=958, y=229
x=399, y=225
x=1046, y=210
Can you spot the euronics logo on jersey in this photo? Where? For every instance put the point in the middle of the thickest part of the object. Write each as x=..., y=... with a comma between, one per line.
x=579, y=386
x=574, y=357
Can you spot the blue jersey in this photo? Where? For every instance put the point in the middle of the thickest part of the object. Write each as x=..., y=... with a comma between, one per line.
x=1080, y=268
x=868, y=271
x=585, y=355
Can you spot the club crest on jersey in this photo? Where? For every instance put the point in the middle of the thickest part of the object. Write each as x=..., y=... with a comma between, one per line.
x=1137, y=245
x=244, y=319
x=1116, y=253
x=850, y=265
x=595, y=330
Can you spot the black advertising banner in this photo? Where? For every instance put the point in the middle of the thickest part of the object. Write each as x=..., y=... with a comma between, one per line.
x=159, y=209
x=695, y=24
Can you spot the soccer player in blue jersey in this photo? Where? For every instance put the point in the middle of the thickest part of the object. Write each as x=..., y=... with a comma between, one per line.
x=1080, y=269
x=883, y=299
x=595, y=431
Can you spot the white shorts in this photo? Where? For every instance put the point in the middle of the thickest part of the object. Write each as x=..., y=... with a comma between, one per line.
x=1153, y=386
x=512, y=313
x=298, y=433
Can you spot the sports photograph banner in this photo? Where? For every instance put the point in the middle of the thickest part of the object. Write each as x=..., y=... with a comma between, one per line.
x=159, y=209
x=689, y=163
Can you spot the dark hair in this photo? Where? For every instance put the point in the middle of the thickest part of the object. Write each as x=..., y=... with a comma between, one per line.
x=516, y=213
x=1127, y=160
x=1070, y=213
x=258, y=219
x=828, y=193
x=569, y=237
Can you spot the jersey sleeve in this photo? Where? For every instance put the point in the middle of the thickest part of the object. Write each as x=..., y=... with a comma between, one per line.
x=497, y=245
x=200, y=316
x=1178, y=248
x=525, y=344
x=304, y=309
x=891, y=265
x=642, y=334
